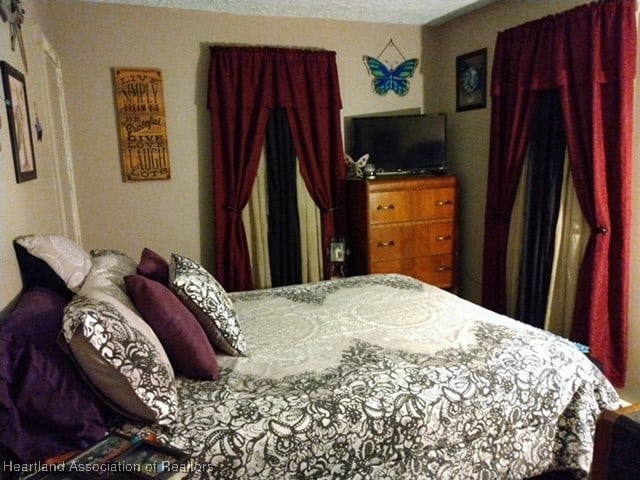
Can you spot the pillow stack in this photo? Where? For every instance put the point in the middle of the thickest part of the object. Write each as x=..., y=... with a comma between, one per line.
x=181, y=335
x=132, y=327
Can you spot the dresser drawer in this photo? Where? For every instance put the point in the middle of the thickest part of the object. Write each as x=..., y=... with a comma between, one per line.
x=389, y=207
x=434, y=238
x=436, y=270
x=387, y=243
x=435, y=203
x=405, y=225
x=404, y=266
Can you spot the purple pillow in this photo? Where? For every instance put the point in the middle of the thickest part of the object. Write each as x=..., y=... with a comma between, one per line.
x=180, y=333
x=46, y=407
x=153, y=266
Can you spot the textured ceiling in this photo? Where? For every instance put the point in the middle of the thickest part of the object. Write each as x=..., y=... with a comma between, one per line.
x=409, y=12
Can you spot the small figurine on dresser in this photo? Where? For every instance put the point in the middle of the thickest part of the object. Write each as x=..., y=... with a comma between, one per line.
x=355, y=168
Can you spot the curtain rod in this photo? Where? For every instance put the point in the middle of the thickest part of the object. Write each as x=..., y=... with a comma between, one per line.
x=281, y=47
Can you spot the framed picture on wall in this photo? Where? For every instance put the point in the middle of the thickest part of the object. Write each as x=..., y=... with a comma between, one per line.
x=471, y=80
x=15, y=94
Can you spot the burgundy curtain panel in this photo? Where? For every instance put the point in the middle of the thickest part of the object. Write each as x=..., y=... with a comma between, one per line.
x=245, y=84
x=589, y=54
x=322, y=168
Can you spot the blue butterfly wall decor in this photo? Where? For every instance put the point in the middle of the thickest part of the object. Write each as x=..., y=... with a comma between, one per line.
x=387, y=79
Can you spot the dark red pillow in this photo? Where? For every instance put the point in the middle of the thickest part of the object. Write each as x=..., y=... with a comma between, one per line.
x=178, y=330
x=46, y=407
x=153, y=266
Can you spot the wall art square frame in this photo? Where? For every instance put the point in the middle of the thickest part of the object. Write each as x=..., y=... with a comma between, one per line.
x=471, y=80
x=16, y=100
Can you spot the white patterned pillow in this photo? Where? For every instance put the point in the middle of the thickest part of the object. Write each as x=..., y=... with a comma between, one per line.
x=208, y=301
x=108, y=269
x=65, y=257
x=122, y=357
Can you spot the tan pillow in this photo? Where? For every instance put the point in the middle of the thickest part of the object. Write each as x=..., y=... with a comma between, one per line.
x=122, y=357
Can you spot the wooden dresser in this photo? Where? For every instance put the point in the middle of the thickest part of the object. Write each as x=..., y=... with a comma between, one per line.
x=615, y=452
x=404, y=225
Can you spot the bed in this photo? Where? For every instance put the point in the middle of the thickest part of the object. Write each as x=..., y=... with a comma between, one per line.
x=368, y=377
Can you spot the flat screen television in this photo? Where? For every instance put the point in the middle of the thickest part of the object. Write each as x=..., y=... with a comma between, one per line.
x=402, y=143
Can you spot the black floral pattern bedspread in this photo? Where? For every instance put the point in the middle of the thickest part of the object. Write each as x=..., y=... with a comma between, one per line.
x=383, y=377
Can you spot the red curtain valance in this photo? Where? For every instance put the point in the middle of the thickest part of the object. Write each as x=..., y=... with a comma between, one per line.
x=273, y=77
x=594, y=42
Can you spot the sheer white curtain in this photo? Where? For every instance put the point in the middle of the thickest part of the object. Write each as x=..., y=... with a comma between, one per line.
x=310, y=233
x=255, y=217
x=572, y=235
x=516, y=242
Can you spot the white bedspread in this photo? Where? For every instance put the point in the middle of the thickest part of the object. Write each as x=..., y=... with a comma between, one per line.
x=384, y=377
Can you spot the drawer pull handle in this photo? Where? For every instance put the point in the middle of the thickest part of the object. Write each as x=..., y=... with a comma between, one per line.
x=443, y=268
x=386, y=207
x=442, y=203
x=387, y=244
x=442, y=238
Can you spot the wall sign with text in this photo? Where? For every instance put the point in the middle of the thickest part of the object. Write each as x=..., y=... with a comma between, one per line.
x=144, y=147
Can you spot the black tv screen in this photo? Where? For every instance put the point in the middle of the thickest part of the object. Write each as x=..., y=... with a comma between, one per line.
x=401, y=144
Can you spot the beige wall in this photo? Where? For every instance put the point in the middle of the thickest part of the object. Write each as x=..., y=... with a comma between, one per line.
x=174, y=215
x=29, y=207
